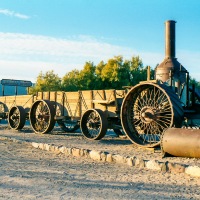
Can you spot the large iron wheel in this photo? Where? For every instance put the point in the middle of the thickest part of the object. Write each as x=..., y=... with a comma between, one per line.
x=3, y=111
x=16, y=117
x=42, y=115
x=147, y=110
x=94, y=124
x=68, y=126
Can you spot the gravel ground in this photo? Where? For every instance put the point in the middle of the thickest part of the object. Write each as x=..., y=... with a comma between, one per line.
x=110, y=143
x=29, y=173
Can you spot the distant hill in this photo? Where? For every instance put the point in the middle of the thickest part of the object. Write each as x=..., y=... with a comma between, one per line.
x=10, y=90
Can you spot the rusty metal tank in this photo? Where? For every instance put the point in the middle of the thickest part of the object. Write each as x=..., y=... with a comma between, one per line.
x=181, y=142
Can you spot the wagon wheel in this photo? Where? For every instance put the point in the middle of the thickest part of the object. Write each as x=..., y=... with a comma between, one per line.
x=147, y=110
x=16, y=117
x=2, y=107
x=68, y=126
x=94, y=124
x=42, y=115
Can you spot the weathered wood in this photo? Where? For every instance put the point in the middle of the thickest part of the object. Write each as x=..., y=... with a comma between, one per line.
x=21, y=100
x=70, y=104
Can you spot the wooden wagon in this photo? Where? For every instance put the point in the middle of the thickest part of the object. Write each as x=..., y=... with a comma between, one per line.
x=93, y=111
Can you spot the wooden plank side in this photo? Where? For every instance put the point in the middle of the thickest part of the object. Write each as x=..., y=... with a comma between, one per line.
x=99, y=95
x=59, y=99
x=20, y=100
x=39, y=95
x=86, y=100
x=46, y=95
x=120, y=94
x=112, y=107
x=3, y=99
x=72, y=104
x=110, y=95
x=25, y=101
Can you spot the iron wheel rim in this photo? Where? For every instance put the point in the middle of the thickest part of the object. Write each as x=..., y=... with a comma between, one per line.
x=93, y=124
x=146, y=112
x=16, y=117
x=42, y=116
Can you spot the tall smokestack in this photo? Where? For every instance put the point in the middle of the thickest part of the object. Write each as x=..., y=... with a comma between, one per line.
x=170, y=40
x=170, y=68
x=170, y=71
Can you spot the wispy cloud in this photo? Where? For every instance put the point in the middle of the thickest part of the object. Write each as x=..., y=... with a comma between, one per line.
x=24, y=55
x=13, y=14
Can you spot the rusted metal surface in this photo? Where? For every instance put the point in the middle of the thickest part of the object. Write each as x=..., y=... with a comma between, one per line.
x=94, y=124
x=41, y=116
x=170, y=66
x=170, y=40
x=181, y=142
x=16, y=117
x=147, y=110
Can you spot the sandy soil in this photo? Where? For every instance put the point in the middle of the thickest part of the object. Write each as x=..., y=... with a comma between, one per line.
x=28, y=173
x=110, y=143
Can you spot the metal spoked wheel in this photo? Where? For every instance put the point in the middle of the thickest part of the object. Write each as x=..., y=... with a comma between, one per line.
x=41, y=116
x=16, y=117
x=147, y=110
x=2, y=107
x=94, y=124
x=68, y=126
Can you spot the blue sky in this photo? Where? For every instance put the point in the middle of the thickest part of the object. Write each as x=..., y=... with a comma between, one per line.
x=61, y=35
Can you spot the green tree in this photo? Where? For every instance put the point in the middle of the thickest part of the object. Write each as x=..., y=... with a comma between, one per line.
x=48, y=81
x=193, y=81
x=98, y=71
x=137, y=71
x=87, y=77
x=71, y=81
x=114, y=74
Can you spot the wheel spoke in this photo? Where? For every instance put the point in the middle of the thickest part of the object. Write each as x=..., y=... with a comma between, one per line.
x=16, y=117
x=42, y=116
x=147, y=110
x=93, y=124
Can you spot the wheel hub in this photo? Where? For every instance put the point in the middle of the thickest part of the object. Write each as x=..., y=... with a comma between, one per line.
x=147, y=114
x=91, y=124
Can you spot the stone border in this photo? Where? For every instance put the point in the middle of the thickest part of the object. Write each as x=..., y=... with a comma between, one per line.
x=115, y=158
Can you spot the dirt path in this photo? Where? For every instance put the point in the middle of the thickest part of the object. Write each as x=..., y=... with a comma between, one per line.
x=28, y=173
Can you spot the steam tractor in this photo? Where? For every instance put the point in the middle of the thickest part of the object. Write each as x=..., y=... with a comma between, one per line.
x=153, y=106
x=144, y=113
